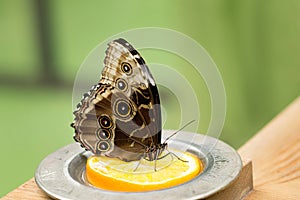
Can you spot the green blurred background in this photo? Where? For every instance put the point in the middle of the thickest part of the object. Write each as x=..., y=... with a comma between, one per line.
x=254, y=43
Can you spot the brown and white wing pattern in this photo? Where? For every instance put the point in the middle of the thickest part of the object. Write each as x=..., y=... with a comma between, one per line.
x=121, y=115
x=95, y=133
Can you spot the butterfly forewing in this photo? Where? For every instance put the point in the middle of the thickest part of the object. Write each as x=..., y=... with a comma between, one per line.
x=121, y=116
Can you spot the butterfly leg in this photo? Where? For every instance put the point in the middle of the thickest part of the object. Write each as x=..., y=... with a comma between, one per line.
x=176, y=156
x=164, y=156
x=155, y=159
x=137, y=166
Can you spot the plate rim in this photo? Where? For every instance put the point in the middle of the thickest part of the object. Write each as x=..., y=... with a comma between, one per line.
x=52, y=174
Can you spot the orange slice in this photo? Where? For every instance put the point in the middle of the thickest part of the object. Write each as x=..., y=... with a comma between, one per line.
x=116, y=175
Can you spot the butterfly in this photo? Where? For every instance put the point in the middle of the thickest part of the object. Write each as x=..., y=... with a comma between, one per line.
x=121, y=115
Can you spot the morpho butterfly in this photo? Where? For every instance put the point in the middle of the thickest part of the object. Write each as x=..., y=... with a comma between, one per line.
x=121, y=115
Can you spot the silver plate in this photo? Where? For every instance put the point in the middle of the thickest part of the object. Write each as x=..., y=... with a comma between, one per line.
x=61, y=174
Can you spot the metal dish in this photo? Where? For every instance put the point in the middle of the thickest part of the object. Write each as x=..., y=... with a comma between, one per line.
x=61, y=174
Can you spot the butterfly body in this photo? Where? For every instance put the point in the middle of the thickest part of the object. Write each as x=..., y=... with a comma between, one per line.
x=121, y=115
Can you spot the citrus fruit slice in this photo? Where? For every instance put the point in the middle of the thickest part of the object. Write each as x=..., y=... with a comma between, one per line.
x=117, y=175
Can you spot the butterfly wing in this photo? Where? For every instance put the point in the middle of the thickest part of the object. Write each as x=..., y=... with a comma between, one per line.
x=121, y=116
x=92, y=131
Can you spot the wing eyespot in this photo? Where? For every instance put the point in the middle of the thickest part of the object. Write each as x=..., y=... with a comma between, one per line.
x=103, y=134
x=122, y=108
x=103, y=146
x=121, y=84
x=126, y=68
x=105, y=122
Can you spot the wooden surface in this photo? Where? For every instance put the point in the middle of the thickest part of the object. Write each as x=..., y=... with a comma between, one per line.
x=27, y=191
x=275, y=155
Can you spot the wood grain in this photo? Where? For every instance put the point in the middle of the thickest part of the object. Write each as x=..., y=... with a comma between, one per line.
x=275, y=154
x=27, y=191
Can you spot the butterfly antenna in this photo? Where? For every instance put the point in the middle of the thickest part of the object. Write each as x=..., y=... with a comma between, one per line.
x=179, y=130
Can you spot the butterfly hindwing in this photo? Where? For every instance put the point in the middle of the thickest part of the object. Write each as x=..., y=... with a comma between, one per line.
x=95, y=133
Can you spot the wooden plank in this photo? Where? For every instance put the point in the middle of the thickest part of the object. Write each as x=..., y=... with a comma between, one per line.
x=275, y=153
x=27, y=191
